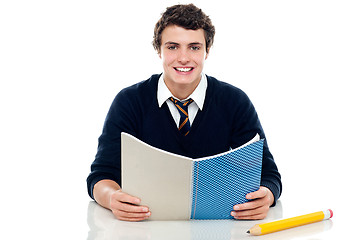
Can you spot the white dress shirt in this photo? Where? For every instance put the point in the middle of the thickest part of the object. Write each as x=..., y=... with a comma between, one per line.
x=198, y=97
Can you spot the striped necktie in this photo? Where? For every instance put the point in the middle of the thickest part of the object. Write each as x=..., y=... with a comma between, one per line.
x=184, y=125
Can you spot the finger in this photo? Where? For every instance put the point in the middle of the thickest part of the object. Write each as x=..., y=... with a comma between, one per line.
x=124, y=202
x=124, y=197
x=131, y=219
x=251, y=217
x=250, y=205
x=257, y=213
x=130, y=216
x=131, y=208
x=127, y=207
x=260, y=193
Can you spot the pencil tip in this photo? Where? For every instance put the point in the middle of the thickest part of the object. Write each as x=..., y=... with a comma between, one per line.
x=248, y=231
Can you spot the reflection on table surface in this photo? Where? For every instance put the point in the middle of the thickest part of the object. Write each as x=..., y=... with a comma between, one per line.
x=103, y=225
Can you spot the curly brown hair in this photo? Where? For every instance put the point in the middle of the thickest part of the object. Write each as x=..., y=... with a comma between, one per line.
x=187, y=16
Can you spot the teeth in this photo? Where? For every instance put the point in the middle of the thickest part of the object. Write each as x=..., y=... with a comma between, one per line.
x=184, y=69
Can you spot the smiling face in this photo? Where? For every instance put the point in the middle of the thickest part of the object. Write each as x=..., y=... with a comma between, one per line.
x=183, y=53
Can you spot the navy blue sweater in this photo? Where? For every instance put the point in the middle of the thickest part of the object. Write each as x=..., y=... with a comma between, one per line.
x=228, y=120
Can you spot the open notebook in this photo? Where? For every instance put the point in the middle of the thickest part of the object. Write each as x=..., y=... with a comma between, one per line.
x=175, y=187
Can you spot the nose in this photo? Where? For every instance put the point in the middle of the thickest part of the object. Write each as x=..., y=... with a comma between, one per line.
x=183, y=56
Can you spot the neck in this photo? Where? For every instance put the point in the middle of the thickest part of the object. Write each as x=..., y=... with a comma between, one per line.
x=181, y=91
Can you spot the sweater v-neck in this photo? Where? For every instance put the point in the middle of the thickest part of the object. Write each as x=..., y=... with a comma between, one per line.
x=197, y=120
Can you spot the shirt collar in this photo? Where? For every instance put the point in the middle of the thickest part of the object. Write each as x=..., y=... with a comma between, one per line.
x=198, y=95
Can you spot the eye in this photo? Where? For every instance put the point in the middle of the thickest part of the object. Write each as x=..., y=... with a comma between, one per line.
x=172, y=47
x=195, y=48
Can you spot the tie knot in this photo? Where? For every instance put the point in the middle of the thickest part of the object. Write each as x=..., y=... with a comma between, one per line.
x=181, y=104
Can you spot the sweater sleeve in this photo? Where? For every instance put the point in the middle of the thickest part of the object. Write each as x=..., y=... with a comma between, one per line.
x=246, y=125
x=107, y=163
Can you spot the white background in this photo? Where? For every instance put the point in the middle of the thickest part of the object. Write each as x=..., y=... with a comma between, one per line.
x=63, y=62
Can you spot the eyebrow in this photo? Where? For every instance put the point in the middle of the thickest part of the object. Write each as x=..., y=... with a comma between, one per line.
x=171, y=43
x=174, y=43
x=195, y=43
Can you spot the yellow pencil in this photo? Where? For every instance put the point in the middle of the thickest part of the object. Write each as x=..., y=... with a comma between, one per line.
x=264, y=228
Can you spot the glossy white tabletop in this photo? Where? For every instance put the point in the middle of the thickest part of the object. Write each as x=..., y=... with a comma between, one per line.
x=58, y=219
x=102, y=225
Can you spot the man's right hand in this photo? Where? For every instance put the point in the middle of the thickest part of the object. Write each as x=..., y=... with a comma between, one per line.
x=125, y=207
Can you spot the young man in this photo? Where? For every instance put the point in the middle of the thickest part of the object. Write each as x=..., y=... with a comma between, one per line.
x=215, y=117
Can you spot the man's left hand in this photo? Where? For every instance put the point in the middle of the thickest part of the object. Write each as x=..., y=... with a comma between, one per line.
x=258, y=208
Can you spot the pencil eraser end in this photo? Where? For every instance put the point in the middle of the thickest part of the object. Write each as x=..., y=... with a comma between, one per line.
x=331, y=212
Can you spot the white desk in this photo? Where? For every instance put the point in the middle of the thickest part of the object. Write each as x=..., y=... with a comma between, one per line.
x=103, y=225
x=54, y=217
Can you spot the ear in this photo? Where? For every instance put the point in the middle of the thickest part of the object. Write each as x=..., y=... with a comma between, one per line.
x=207, y=53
